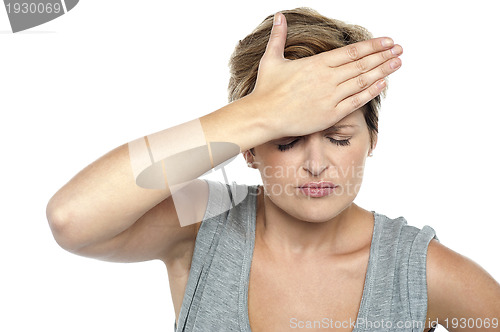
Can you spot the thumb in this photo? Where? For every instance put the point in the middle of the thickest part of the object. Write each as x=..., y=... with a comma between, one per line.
x=276, y=44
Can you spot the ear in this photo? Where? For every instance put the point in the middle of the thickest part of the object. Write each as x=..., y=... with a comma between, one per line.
x=248, y=158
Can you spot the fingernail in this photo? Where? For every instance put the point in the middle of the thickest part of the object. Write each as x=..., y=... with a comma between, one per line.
x=395, y=64
x=386, y=42
x=277, y=18
x=381, y=84
x=396, y=50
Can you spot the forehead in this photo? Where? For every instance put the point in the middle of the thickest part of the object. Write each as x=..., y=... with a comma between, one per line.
x=355, y=118
x=357, y=115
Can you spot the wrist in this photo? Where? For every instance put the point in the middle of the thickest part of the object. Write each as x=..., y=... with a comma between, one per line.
x=259, y=113
x=243, y=122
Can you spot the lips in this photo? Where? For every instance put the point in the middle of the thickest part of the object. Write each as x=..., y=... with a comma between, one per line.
x=317, y=185
x=318, y=189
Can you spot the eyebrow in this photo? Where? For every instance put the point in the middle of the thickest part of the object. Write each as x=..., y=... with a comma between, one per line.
x=339, y=126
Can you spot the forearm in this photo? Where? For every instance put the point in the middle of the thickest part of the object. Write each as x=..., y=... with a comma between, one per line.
x=242, y=122
x=104, y=199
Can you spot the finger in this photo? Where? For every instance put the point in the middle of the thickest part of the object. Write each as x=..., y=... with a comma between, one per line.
x=358, y=100
x=363, y=81
x=363, y=65
x=276, y=45
x=353, y=52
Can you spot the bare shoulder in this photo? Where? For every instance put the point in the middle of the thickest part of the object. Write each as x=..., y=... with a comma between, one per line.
x=458, y=288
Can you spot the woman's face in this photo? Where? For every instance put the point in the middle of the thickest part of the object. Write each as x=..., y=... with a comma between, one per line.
x=335, y=155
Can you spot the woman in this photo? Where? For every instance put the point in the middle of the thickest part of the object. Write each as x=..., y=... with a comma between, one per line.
x=296, y=252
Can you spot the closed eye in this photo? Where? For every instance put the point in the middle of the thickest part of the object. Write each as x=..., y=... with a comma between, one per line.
x=341, y=142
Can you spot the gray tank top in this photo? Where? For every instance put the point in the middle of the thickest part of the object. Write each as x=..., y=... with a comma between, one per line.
x=395, y=290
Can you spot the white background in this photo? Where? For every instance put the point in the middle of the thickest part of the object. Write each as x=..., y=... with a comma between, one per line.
x=111, y=71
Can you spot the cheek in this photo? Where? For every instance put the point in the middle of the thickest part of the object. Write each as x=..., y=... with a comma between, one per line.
x=348, y=167
x=278, y=175
x=278, y=168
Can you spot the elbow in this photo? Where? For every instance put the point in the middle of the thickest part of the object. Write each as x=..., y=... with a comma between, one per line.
x=63, y=228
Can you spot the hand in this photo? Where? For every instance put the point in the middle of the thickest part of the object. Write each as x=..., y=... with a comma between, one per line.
x=303, y=96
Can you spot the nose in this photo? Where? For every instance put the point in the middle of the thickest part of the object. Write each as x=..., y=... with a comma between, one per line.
x=314, y=168
x=315, y=161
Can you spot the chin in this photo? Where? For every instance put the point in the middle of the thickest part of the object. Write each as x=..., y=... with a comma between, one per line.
x=317, y=213
x=316, y=219
x=321, y=210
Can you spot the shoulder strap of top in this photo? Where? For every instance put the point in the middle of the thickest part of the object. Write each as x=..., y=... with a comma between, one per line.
x=218, y=206
x=416, y=275
x=397, y=287
x=221, y=200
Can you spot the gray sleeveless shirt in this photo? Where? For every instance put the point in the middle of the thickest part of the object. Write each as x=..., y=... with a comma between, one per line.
x=216, y=297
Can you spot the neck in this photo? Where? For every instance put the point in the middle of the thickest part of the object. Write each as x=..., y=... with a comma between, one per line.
x=293, y=238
